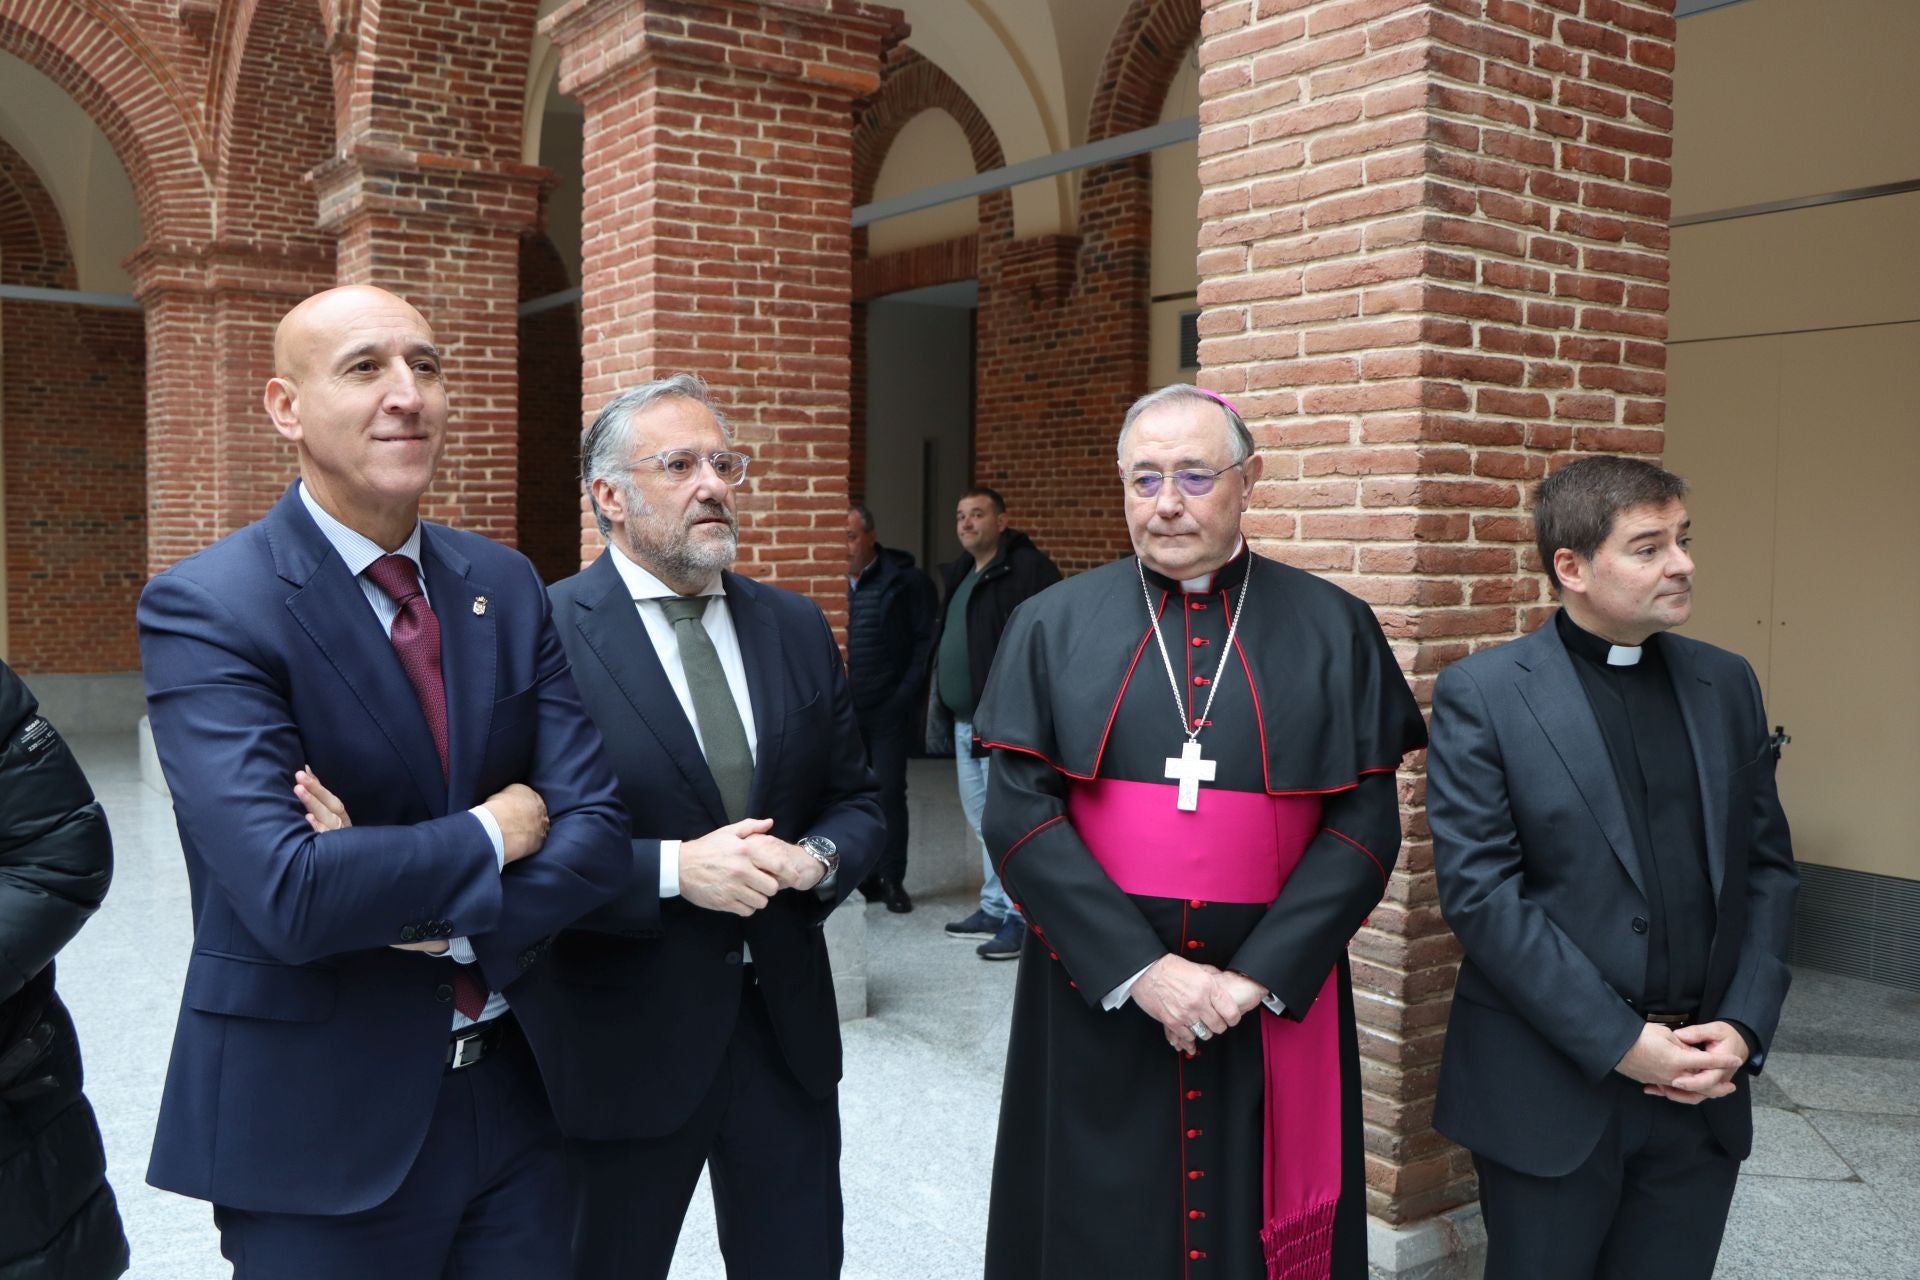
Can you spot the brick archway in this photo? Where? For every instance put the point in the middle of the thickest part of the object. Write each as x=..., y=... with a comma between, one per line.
x=1065, y=322
x=912, y=86
x=100, y=61
x=72, y=404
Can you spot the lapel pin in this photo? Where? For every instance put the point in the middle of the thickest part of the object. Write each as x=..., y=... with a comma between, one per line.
x=479, y=606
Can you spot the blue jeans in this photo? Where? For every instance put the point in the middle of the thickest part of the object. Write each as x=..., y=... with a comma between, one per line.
x=973, y=803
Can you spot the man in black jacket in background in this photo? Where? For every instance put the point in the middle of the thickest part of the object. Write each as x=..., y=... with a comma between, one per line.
x=58, y=1220
x=890, y=608
x=1000, y=568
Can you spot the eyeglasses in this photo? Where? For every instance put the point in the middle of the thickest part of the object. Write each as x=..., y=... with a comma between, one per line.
x=1193, y=482
x=681, y=465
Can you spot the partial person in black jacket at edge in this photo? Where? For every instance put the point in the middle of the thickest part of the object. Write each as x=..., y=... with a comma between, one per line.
x=58, y=1220
x=890, y=610
x=1000, y=569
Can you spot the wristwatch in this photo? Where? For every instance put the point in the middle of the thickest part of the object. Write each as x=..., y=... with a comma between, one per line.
x=824, y=852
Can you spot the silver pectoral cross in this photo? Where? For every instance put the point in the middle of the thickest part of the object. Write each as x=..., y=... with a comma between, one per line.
x=1190, y=770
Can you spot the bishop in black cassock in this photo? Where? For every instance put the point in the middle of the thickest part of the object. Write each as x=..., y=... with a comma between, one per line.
x=1182, y=1094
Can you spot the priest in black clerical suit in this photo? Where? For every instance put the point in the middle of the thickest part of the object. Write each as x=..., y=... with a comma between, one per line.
x=1193, y=801
x=1612, y=853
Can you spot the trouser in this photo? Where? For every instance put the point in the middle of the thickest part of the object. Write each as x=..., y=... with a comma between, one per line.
x=485, y=1200
x=1650, y=1201
x=771, y=1149
x=886, y=739
x=973, y=803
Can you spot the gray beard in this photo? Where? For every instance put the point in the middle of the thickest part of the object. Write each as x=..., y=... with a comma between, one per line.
x=680, y=559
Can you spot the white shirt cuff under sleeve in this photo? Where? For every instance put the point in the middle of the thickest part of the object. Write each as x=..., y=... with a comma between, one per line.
x=459, y=950
x=494, y=834
x=669, y=868
x=1120, y=994
x=1275, y=1005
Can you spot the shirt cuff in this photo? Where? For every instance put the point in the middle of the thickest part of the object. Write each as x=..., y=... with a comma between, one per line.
x=669, y=868
x=1275, y=1005
x=499, y=841
x=459, y=950
x=1120, y=994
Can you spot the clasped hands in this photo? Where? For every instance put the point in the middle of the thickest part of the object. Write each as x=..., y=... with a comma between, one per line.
x=1686, y=1064
x=738, y=868
x=1177, y=993
x=517, y=807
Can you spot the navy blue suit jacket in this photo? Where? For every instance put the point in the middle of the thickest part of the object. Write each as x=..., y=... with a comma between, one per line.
x=647, y=993
x=308, y=1052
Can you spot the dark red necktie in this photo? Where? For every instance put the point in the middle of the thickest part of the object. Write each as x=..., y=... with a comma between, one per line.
x=416, y=638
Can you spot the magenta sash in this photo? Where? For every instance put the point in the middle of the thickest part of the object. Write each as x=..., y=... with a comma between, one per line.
x=1240, y=846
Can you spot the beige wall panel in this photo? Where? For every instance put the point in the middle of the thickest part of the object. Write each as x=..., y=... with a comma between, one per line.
x=1163, y=344
x=929, y=150
x=1781, y=98
x=1723, y=417
x=1843, y=264
x=1846, y=599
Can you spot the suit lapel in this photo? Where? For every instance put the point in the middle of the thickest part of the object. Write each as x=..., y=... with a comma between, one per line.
x=760, y=653
x=1552, y=692
x=1695, y=694
x=607, y=620
x=469, y=659
x=331, y=608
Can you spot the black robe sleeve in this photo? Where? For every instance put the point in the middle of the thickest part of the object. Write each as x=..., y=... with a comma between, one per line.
x=1340, y=878
x=1097, y=931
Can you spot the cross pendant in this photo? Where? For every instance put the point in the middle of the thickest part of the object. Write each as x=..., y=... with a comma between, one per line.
x=1190, y=770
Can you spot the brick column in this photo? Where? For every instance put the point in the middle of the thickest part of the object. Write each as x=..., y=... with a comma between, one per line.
x=446, y=233
x=1434, y=262
x=718, y=153
x=214, y=462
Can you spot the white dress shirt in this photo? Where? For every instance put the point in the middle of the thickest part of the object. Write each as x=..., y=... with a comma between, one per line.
x=648, y=593
x=359, y=551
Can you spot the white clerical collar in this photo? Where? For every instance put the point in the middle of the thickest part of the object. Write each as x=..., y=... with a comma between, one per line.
x=1204, y=583
x=642, y=585
x=1624, y=655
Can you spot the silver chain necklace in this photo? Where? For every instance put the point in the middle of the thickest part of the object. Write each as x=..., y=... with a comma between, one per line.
x=1190, y=768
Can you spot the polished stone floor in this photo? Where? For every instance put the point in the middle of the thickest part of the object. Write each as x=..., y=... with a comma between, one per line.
x=1832, y=1191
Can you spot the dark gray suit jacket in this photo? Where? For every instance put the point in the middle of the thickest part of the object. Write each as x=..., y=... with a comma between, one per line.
x=1540, y=879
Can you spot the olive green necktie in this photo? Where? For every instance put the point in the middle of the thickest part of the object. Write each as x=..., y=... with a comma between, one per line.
x=729, y=759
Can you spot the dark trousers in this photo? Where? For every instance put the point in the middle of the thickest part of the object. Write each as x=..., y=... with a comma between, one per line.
x=485, y=1200
x=772, y=1152
x=886, y=739
x=1650, y=1201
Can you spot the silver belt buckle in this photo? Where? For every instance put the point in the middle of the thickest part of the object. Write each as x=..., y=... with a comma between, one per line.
x=468, y=1050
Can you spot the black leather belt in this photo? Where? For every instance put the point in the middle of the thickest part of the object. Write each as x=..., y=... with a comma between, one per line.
x=1670, y=1017
x=472, y=1044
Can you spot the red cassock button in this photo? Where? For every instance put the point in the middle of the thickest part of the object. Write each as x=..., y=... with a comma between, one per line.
x=1197, y=605
x=1194, y=1175
x=1195, y=1215
x=1199, y=642
x=1053, y=955
x=1195, y=1254
x=1200, y=680
x=1196, y=904
x=1194, y=1133
x=1192, y=1094
x=1073, y=985
x=1195, y=944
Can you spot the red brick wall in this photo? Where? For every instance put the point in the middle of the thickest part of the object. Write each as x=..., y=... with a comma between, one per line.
x=549, y=462
x=72, y=432
x=1063, y=320
x=719, y=187
x=1433, y=260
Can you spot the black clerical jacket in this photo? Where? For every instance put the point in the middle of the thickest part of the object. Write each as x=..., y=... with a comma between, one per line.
x=1541, y=878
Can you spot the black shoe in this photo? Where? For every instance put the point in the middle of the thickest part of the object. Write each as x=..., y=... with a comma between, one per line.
x=1006, y=944
x=978, y=925
x=896, y=898
x=874, y=889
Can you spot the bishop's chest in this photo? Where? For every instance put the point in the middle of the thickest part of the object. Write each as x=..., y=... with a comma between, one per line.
x=1209, y=686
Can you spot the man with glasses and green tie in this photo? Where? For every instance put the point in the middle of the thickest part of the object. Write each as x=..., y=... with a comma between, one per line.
x=1193, y=799
x=697, y=1011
